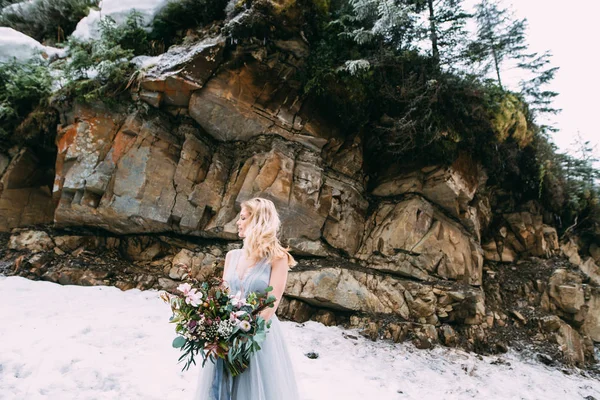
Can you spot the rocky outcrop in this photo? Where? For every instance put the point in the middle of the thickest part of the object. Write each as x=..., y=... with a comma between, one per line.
x=355, y=290
x=170, y=79
x=400, y=257
x=522, y=233
x=551, y=301
x=134, y=173
x=241, y=102
x=412, y=238
x=25, y=195
x=453, y=188
x=574, y=301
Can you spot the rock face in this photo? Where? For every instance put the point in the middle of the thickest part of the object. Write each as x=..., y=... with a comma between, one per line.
x=574, y=301
x=420, y=241
x=522, y=233
x=399, y=257
x=239, y=103
x=352, y=290
x=453, y=188
x=25, y=196
x=183, y=70
x=133, y=173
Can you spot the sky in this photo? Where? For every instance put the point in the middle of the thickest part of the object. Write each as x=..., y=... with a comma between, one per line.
x=569, y=32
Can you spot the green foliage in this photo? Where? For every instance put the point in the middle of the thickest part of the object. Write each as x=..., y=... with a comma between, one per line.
x=499, y=37
x=101, y=69
x=532, y=89
x=178, y=16
x=130, y=35
x=411, y=112
x=46, y=20
x=569, y=186
x=381, y=21
x=445, y=29
x=23, y=88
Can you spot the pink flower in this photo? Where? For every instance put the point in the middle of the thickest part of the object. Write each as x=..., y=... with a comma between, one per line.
x=237, y=300
x=236, y=314
x=193, y=298
x=184, y=288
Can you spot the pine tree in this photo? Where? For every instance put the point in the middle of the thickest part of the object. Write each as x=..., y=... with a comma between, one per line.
x=586, y=155
x=387, y=21
x=539, y=100
x=446, y=29
x=500, y=37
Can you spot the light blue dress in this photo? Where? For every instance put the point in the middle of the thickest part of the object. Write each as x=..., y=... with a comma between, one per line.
x=270, y=375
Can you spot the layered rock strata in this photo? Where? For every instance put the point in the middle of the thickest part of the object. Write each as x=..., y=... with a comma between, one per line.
x=222, y=124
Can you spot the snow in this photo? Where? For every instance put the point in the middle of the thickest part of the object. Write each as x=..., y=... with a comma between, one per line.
x=145, y=62
x=73, y=342
x=14, y=44
x=119, y=10
x=23, y=5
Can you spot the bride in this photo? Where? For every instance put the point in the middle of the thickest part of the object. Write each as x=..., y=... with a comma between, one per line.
x=260, y=263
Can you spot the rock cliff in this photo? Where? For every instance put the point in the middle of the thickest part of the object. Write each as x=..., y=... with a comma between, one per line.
x=414, y=252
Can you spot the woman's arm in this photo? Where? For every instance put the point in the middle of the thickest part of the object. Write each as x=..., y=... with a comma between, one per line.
x=279, y=273
x=227, y=263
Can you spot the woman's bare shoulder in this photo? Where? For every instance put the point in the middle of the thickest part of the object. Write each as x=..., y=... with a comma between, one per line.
x=281, y=261
x=232, y=252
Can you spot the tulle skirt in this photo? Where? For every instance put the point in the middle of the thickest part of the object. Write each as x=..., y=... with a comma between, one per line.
x=270, y=375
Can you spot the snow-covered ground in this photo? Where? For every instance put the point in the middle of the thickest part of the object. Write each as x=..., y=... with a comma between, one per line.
x=72, y=342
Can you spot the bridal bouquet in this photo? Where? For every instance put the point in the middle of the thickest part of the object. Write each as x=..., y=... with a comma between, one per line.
x=217, y=324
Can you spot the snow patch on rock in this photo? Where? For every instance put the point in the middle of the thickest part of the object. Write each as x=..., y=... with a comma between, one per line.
x=119, y=10
x=19, y=46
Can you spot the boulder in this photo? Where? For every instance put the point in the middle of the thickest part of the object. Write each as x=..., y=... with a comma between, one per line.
x=353, y=290
x=453, y=188
x=538, y=239
x=591, y=270
x=591, y=325
x=571, y=251
x=429, y=241
x=257, y=97
x=176, y=74
x=34, y=241
x=295, y=310
x=521, y=234
x=568, y=297
x=571, y=344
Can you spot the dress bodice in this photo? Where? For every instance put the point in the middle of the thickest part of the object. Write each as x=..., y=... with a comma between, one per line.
x=257, y=277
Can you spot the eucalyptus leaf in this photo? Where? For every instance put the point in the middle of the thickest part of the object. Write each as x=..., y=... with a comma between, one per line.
x=179, y=342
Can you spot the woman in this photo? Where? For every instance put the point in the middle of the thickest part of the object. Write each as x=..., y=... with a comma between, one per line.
x=260, y=263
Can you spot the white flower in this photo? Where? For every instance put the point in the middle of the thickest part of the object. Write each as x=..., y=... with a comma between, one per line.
x=244, y=325
x=225, y=328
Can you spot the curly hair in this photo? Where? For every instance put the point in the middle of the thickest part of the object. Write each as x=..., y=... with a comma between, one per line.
x=263, y=230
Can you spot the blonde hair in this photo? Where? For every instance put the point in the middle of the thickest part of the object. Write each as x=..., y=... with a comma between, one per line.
x=262, y=231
